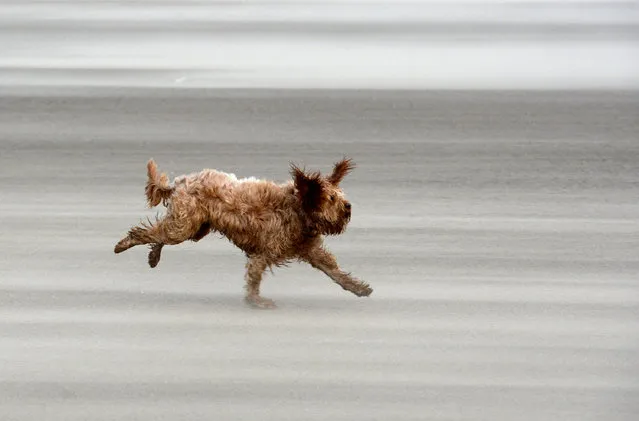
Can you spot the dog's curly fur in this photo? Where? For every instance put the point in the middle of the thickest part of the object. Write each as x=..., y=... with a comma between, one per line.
x=272, y=223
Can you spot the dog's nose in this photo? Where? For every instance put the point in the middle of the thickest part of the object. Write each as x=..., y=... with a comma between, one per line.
x=348, y=206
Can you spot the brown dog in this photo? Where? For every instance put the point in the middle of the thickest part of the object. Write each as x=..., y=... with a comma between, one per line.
x=272, y=223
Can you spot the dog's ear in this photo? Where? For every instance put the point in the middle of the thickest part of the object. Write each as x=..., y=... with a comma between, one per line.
x=309, y=188
x=340, y=170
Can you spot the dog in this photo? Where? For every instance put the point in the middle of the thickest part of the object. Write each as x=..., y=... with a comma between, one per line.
x=273, y=224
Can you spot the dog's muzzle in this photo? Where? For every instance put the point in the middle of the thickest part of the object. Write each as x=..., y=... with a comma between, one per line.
x=348, y=209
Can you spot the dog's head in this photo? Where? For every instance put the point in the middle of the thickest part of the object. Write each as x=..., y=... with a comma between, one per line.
x=322, y=200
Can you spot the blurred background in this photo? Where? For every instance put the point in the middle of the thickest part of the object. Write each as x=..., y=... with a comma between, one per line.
x=495, y=209
x=472, y=44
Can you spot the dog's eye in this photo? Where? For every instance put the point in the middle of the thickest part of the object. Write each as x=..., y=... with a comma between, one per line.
x=332, y=197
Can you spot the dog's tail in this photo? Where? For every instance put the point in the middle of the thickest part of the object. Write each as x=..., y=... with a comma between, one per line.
x=157, y=186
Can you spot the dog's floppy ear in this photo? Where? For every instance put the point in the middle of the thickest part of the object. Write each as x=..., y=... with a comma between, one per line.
x=340, y=170
x=309, y=188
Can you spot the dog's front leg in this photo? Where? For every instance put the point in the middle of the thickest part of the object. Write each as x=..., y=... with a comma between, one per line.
x=323, y=260
x=255, y=268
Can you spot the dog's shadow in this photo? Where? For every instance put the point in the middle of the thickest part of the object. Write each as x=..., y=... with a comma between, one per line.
x=231, y=302
x=105, y=300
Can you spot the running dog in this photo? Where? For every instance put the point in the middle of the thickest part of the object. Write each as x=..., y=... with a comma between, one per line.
x=273, y=224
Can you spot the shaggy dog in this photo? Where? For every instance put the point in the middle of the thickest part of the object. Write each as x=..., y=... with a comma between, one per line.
x=273, y=224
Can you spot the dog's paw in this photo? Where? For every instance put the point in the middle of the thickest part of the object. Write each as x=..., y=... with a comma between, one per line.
x=123, y=244
x=154, y=255
x=361, y=289
x=256, y=301
x=364, y=290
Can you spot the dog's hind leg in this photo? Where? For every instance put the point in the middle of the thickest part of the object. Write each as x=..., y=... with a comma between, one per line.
x=255, y=268
x=154, y=254
x=170, y=230
x=143, y=234
x=156, y=249
x=125, y=244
